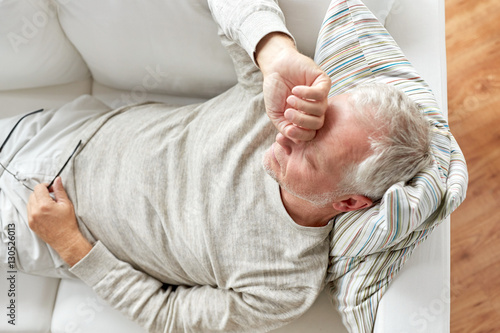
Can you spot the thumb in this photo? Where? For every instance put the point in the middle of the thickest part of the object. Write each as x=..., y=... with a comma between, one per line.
x=324, y=81
x=59, y=191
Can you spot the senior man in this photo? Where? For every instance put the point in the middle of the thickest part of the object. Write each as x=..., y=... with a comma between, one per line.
x=168, y=213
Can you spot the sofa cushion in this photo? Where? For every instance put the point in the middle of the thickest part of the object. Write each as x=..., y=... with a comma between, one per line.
x=135, y=45
x=34, y=302
x=34, y=51
x=78, y=309
x=167, y=47
x=22, y=101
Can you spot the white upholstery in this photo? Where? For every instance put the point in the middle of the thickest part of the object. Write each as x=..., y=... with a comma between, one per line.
x=35, y=299
x=169, y=51
x=35, y=51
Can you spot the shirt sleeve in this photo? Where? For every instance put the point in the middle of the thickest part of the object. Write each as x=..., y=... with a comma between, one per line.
x=246, y=22
x=160, y=308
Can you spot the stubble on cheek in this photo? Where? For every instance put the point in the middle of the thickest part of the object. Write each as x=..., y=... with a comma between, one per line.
x=267, y=164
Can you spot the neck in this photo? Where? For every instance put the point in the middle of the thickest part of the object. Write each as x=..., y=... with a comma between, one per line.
x=305, y=213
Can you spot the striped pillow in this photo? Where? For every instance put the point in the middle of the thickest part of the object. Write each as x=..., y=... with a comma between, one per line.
x=369, y=246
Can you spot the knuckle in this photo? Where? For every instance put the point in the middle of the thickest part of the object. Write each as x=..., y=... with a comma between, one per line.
x=302, y=104
x=32, y=223
x=35, y=215
x=316, y=126
x=309, y=135
x=298, y=117
x=43, y=208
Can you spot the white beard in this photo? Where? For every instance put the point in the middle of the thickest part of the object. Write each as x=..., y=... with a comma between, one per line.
x=319, y=200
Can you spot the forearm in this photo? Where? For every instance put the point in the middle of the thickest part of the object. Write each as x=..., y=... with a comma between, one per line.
x=247, y=22
x=74, y=250
x=272, y=49
x=146, y=301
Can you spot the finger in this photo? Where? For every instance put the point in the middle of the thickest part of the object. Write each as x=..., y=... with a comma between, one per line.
x=59, y=191
x=317, y=91
x=304, y=120
x=296, y=133
x=41, y=193
x=314, y=93
x=314, y=108
x=323, y=82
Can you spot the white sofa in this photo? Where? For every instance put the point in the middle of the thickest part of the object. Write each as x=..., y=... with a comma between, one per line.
x=128, y=52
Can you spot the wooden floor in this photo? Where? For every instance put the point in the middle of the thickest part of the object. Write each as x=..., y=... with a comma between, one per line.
x=473, y=48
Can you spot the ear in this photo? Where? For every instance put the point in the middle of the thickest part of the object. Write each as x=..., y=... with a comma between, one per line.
x=352, y=202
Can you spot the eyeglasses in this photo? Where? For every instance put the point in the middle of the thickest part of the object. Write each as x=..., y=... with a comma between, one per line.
x=22, y=181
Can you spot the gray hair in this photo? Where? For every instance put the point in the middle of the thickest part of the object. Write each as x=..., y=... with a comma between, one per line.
x=400, y=140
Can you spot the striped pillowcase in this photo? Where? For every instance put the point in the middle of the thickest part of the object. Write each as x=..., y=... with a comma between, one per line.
x=368, y=247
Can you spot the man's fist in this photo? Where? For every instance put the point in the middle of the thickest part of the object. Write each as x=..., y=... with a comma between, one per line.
x=295, y=88
x=54, y=221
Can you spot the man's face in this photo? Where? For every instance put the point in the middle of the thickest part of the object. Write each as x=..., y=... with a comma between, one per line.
x=311, y=170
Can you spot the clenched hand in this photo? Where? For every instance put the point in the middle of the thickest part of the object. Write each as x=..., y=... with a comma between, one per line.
x=295, y=88
x=54, y=221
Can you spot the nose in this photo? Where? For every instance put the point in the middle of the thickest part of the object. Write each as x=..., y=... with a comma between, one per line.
x=285, y=142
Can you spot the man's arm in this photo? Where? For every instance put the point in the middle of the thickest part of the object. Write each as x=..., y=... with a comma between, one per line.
x=295, y=88
x=146, y=300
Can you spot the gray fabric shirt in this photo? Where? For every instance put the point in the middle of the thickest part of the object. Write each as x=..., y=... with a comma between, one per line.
x=178, y=196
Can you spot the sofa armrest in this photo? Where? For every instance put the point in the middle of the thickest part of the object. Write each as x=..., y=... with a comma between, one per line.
x=421, y=291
